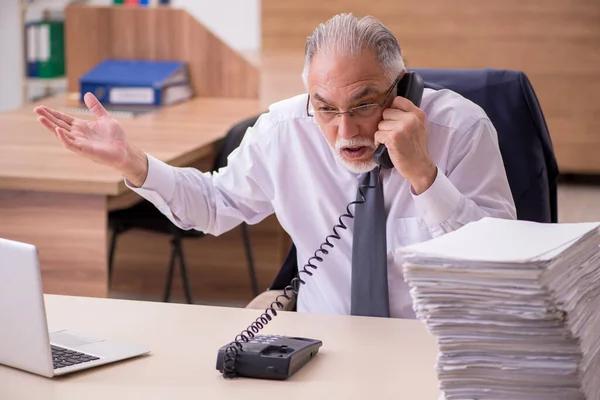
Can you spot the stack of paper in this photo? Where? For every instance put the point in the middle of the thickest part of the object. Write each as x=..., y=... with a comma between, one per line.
x=515, y=307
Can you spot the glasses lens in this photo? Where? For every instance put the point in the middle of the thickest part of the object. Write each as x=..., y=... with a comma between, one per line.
x=333, y=117
x=366, y=111
x=326, y=116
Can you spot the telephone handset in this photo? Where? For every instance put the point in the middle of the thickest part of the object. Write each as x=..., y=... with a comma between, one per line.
x=279, y=357
x=411, y=87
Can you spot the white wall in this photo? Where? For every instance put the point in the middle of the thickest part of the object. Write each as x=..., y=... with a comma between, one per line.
x=11, y=55
x=236, y=22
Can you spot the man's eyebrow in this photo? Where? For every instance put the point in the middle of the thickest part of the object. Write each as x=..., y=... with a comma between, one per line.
x=318, y=97
x=359, y=95
x=362, y=93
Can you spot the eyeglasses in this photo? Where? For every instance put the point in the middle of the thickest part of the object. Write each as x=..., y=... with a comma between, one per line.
x=365, y=111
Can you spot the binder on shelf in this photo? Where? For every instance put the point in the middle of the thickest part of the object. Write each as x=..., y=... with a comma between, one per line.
x=141, y=3
x=52, y=49
x=45, y=49
x=137, y=82
x=31, y=47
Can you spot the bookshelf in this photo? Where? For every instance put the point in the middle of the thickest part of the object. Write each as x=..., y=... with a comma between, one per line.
x=42, y=22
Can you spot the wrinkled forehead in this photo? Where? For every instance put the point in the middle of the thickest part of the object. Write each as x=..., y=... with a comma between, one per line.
x=341, y=70
x=342, y=78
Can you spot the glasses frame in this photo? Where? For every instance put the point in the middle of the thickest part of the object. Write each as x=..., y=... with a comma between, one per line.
x=352, y=110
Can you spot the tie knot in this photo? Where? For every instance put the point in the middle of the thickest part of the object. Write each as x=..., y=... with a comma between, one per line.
x=370, y=178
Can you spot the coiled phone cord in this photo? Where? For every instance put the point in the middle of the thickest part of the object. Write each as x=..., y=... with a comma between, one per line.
x=235, y=347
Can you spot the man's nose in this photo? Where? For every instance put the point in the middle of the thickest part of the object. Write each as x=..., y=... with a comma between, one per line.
x=347, y=126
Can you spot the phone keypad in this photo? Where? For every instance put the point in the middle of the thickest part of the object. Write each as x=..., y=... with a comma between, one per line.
x=264, y=339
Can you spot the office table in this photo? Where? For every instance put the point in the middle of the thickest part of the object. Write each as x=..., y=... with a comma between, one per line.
x=374, y=358
x=59, y=201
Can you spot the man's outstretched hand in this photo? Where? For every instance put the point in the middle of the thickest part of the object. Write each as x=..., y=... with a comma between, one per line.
x=101, y=140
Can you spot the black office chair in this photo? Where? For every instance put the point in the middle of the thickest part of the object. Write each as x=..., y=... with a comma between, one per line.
x=145, y=216
x=510, y=102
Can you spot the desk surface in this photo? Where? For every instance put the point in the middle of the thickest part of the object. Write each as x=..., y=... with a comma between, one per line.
x=31, y=158
x=360, y=358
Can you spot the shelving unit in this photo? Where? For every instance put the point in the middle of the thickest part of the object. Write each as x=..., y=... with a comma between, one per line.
x=35, y=88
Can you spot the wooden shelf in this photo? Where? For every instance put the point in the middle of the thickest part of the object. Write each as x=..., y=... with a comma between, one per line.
x=35, y=88
x=47, y=5
x=47, y=82
x=95, y=33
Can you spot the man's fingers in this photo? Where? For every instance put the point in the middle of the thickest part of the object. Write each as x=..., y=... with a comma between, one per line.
x=63, y=132
x=49, y=112
x=48, y=124
x=67, y=139
x=393, y=114
x=48, y=115
x=382, y=137
x=391, y=117
x=402, y=103
x=388, y=125
x=94, y=105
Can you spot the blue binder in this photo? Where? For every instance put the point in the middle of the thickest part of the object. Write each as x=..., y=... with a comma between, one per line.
x=137, y=82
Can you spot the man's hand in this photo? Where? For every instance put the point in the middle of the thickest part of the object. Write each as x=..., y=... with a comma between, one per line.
x=101, y=140
x=403, y=130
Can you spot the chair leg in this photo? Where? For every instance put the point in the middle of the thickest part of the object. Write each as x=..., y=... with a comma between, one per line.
x=111, y=251
x=183, y=271
x=169, y=280
x=250, y=259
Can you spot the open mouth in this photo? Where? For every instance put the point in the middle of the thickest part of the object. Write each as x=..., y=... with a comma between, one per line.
x=354, y=152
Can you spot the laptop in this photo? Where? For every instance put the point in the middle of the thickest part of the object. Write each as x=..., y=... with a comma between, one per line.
x=26, y=342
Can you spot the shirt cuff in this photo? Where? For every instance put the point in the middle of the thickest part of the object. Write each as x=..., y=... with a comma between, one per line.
x=439, y=202
x=160, y=180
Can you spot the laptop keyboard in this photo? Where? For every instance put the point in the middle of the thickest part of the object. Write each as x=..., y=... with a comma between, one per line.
x=64, y=357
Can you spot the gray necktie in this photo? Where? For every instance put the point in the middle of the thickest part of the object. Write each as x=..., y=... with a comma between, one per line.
x=369, y=250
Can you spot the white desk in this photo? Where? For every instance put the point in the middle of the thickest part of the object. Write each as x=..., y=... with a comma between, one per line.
x=361, y=358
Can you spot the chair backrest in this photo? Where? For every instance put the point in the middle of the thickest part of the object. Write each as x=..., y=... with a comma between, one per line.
x=231, y=141
x=511, y=104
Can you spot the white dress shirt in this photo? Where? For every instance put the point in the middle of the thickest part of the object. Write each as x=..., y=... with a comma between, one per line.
x=285, y=166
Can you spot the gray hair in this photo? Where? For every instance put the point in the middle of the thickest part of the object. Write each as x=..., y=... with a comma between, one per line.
x=348, y=35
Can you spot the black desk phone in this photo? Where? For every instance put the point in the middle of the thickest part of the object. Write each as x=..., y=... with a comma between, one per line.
x=279, y=357
x=271, y=356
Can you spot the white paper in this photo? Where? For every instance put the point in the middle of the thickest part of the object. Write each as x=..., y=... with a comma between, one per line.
x=500, y=240
x=514, y=306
